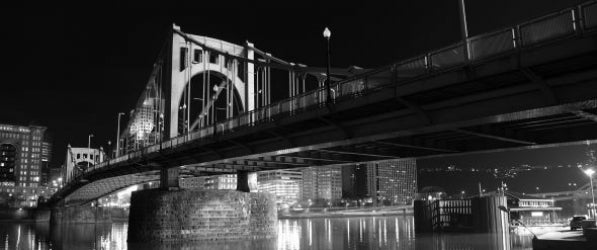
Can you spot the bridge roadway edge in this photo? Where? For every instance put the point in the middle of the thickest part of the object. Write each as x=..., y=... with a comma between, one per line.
x=158, y=215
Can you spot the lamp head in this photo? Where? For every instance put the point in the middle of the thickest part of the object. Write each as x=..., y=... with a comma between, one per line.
x=327, y=33
x=589, y=172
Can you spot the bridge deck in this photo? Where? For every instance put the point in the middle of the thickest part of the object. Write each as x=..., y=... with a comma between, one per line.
x=522, y=86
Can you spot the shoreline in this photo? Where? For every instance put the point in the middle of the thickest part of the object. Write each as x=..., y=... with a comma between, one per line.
x=369, y=212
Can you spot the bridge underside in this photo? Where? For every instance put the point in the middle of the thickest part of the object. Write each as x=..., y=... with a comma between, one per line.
x=531, y=97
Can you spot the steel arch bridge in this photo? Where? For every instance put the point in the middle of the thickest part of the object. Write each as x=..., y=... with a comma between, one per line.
x=209, y=108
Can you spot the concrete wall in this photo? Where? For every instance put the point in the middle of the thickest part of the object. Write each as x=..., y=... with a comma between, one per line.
x=159, y=215
x=80, y=214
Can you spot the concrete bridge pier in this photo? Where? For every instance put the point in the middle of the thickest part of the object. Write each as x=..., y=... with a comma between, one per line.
x=173, y=214
x=75, y=214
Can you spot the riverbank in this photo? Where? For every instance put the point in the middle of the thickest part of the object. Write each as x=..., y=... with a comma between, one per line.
x=17, y=215
x=358, y=212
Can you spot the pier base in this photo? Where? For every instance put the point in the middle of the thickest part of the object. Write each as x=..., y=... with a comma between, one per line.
x=80, y=214
x=175, y=215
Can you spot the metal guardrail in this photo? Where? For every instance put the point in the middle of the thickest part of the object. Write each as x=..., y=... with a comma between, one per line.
x=558, y=25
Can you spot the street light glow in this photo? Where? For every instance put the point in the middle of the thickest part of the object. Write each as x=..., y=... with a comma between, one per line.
x=589, y=172
x=327, y=33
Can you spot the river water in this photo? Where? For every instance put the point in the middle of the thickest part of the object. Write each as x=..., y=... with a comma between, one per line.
x=389, y=232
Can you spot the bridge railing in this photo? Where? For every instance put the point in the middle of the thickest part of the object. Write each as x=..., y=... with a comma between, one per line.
x=545, y=29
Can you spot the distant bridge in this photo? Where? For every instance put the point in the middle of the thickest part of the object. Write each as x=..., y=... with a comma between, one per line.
x=209, y=106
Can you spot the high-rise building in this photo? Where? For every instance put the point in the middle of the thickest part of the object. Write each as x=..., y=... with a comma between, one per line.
x=322, y=183
x=389, y=182
x=348, y=181
x=284, y=184
x=23, y=150
x=46, y=158
x=22, y=146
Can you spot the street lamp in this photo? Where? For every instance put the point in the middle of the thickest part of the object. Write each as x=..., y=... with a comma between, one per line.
x=327, y=34
x=589, y=172
x=118, y=135
x=89, y=149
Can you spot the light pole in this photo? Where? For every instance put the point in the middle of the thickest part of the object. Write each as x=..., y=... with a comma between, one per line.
x=89, y=149
x=589, y=172
x=118, y=135
x=464, y=27
x=327, y=34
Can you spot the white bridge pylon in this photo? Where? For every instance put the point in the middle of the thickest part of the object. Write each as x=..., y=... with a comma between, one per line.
x=192, y=56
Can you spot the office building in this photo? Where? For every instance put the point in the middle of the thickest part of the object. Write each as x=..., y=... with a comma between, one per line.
x=284, y=184
x=388, y=182
x=21, y=150
x=322, y=183
x=225, y=181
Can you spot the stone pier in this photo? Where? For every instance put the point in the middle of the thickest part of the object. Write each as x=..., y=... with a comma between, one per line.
x=174, y=215
x=80, y=214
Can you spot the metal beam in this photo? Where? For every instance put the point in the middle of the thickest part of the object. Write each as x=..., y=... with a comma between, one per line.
x=316, y=159
x=495, y=137
x=415, y=108
x=541, y=84
x=585, y=114
x=416, y=147
x=336, y=125
x=357, y=153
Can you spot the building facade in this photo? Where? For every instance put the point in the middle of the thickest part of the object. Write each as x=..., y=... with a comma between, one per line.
x=225, y=181
x=24, y=151
x=46, y=159
x=284, y=184
x=323, y=183
x=21, y=147
x=381, y=182
x=397, y=181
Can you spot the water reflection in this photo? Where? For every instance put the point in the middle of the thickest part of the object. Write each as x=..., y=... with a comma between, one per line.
x=321, y=233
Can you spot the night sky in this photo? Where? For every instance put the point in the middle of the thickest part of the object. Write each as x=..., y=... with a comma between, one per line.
x=73, y=69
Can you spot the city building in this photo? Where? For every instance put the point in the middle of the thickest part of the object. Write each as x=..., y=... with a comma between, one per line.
x=46, y=159
x=396, y=181
x=143, y=129
x=79, y=159
x=390, y=182
x=284, y=184
x=21, y=147
x=225, y=181
x=531, y=210
x=192, y=182
x=322, y=183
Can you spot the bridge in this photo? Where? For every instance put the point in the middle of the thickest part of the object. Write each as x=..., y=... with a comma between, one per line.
x=525, y=85
x=213, y=107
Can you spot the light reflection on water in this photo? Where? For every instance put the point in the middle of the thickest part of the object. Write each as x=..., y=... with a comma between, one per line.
x=392, y=232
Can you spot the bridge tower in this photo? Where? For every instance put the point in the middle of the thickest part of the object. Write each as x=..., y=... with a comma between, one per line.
x=209, y=78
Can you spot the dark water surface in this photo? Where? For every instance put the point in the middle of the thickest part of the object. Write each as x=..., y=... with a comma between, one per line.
x=392, y=232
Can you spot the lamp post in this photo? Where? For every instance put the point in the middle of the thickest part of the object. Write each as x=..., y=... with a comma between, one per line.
x=89, y=149
x=118, y=135
x=464, y=27
x=327, y=34
x=589, y=172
